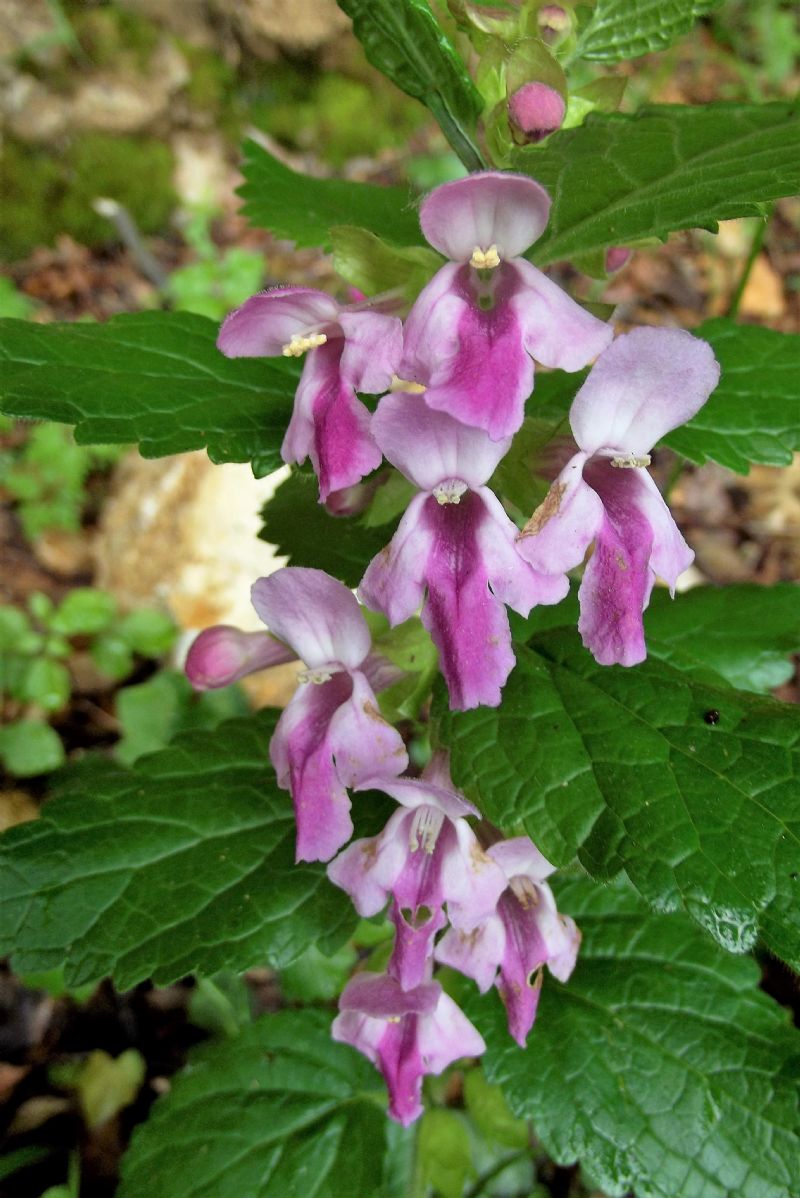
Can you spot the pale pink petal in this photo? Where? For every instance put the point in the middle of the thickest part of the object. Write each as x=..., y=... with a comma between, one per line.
x=424, y=792
x=562, y=528
x=472, y=882
x=472, y=359
x=315, y=614
x=519, y=856
x=368, y=869
x=430, y=447
x=559, y=935
x=618, y=579
x=512, y=579
x=302, y=755
x=645, y=384
x=222, y=655
x=487, y=209
x=670, y=554
x=446, y=1035
x=372, y=350
x=437, y=773
x=329, y=424
x=556, y=331
x=477, y=953
x=362, y=1032
x=394, y=582
x=364, y=744
x=266, y=322
x=401, y=1064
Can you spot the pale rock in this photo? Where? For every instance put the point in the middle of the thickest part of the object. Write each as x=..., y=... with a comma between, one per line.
x=115, y=103
x=290, y=24
x=181, y=534
x=203, y=173
x=31, y=112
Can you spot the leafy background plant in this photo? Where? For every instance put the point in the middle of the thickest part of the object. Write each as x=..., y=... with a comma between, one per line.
x=661, y=1066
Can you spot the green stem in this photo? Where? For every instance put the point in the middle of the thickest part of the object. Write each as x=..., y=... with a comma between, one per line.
x=755, y=250
x=482, y=1182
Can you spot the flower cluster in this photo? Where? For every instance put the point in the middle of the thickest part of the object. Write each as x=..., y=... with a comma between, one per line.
x=465, y=360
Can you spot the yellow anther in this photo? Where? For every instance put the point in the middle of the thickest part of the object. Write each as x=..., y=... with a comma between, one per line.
x=317, y=677
x=297, y=346
x=406, y=385
x=629, y=461
x=450, y=491
x=485, y=259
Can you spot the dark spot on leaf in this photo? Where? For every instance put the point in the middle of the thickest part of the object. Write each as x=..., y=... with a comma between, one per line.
x=712, y=716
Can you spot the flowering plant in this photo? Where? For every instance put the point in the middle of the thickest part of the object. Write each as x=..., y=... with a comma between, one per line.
x=510, y=745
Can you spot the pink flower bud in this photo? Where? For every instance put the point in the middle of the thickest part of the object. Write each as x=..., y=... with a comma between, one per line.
x=554, y=23
x=222, y=655
x=535, y=110
x=616, y=257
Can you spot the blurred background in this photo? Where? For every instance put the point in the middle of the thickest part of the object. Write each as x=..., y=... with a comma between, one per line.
x=121, y=131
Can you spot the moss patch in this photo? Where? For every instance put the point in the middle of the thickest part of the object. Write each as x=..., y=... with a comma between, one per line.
x=41, y=197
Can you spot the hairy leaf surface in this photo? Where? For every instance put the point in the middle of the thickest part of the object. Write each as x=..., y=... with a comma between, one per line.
x=660, y=1065
x=619, y=179
x=623, y=768
x=619, y=29
x=280, y=1111
x=303, y=209
x=155, y=378
x=183, y=863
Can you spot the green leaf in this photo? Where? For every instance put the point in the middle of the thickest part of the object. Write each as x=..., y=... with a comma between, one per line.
x=84, y=611
x=155, y=378
x=744, y=633
x=620, y=29
x=444, y=1153
x=403, y=40
x=303, y=530
x=372, y=266
x=281, y=1111
x=660, y=1065
x=29, y=748
x=153, y=712
x=621, y=767
x=184, y=863
x=754, y=414
x=489, y=1111
x=47, y=683
x=619, y=179
x=148, y=632
x=303, y=209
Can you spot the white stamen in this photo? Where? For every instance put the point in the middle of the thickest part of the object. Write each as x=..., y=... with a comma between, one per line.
x=297, y=346
x=450, y=491
x=629, y=461
x=406, y=385
x=425, y=828
x=317, y=676
x=485, y=259
x=525, y=891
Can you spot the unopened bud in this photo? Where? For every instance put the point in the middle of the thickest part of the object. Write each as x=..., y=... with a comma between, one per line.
x=222, y=655
x=554, y=23
x=535, y=110
x=616, y=257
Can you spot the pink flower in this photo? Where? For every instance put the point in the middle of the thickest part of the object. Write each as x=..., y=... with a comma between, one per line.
x=348, y=350
x=535, y=111
x=648, y=382
x=331, y=735
x=525, y=933
x=222, y=655
x=406, y=1033
x=474, y=331
x=455, y=547
x=426, y=856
